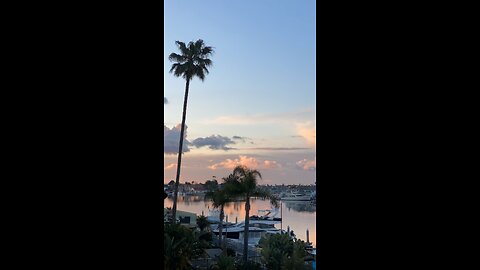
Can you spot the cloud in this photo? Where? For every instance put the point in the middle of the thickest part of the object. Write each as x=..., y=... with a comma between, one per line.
x=170, y=166
x=307, y=165
x=270, y=164
x=308, y=131
x=165, y=100
x=250, y=162
x=171, y=139
x=276, y=148
x=214, y=142
x=240, y=138
x=263, y=118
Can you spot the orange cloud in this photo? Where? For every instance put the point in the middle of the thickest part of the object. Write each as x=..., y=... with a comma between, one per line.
x=249, y=162
x=171, y=166
x=308, y=132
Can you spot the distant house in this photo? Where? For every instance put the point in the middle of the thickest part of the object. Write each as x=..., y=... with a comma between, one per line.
x=186, y=218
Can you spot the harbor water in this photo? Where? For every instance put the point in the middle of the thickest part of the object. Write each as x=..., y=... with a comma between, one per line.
x=298, y=216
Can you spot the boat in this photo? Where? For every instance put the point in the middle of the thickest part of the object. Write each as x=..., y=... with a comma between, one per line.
x=256, y=230
x=267, y=216
x=213, y=216
x=295, y=196
x=313, y=197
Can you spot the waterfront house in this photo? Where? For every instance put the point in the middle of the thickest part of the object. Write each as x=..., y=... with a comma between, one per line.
x=186, y=218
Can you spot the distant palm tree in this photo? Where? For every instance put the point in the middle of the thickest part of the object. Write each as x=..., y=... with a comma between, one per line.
x=243, y=183
x=192, y=62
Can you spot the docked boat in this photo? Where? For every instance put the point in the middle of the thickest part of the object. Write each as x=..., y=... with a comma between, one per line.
x=266, y=215
x=256, y=230
x=213, y=216
x=295, y=196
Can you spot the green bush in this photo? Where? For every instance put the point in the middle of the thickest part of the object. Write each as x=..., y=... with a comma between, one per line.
x=280, y=252
x=181, y=245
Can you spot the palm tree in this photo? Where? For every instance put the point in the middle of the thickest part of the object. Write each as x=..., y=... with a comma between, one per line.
x=181, y=244
x=244, y=183
x=202, y=222
x=219, y=198
x=192, y=62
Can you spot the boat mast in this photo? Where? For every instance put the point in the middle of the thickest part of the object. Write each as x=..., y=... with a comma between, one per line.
x=281, y=216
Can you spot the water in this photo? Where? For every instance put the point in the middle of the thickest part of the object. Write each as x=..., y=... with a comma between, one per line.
x=298, y=215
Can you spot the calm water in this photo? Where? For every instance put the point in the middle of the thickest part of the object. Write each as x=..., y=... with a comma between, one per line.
x=298, y=215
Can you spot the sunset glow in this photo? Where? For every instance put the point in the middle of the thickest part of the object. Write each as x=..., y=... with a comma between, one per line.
x=257, y=105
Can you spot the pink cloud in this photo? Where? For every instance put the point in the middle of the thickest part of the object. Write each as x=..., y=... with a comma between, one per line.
x=308, y=132
x=270, y=164
x=307, y=165
x=250, y=162
x=170, y=166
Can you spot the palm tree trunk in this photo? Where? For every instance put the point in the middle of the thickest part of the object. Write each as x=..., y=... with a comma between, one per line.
x=245, y=233
x=180, y=148
x=220, y=227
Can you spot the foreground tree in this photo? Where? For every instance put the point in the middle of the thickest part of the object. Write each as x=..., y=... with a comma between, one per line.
x=181, y=244
x=281, y=252
x=243, y=183
x=275, y=249
x=192, y=62
x=297, y=259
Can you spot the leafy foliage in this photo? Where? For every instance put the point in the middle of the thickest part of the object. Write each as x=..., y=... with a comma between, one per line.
x=225, y=263
x=250, y=265
x=280, y=252
x=275, y=249
x=193, y=60
x=243, y=183
x=202, y=222
x=181, y=244
x=211, y=185
x=220, y=198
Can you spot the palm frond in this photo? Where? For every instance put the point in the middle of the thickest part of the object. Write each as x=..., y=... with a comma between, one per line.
x=181, y=46
x=174, y=57
x=192, y=60
x=264, y=195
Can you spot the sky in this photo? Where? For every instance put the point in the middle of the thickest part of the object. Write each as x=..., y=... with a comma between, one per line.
x=257, y=106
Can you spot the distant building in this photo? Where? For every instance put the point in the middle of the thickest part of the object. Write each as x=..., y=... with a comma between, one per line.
x=186, y=218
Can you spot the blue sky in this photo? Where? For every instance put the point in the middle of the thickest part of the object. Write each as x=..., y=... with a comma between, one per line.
x=261, y=87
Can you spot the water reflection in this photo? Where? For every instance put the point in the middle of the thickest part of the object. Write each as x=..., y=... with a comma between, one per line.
x=187, y=200
x=301, y=206
x=299, y=216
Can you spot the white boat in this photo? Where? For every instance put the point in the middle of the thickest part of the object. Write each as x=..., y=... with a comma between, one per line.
x=295, y=196
x=267, y=215
x=257, y=230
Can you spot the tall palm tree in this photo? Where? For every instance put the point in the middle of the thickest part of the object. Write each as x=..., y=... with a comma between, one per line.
x=190, y=63
x=243, y=183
